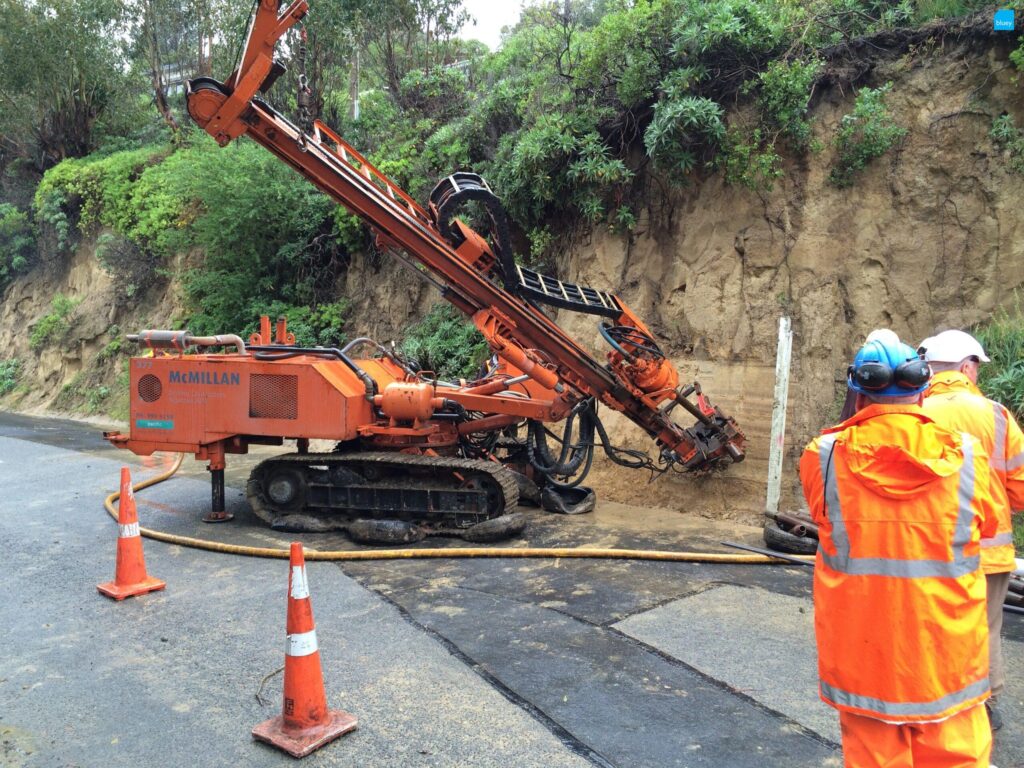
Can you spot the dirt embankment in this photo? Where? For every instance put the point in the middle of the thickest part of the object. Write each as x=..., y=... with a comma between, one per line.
x=931, y=236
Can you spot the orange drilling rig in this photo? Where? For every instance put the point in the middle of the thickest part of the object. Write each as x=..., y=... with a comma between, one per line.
x=413, y=455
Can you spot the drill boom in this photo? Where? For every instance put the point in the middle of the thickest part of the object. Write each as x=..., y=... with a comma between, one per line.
x=514, y=327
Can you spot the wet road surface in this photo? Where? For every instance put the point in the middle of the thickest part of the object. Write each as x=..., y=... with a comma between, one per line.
x=447, y=662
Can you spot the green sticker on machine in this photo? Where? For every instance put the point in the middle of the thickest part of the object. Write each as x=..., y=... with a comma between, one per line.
x=153, y=424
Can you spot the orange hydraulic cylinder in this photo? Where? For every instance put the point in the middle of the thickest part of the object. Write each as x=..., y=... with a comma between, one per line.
x=409, y=401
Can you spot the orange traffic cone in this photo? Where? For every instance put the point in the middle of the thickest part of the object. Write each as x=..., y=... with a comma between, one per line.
x=130, y=577
x=305, y=724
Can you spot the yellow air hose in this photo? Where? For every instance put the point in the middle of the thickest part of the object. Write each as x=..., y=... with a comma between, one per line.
x=410, y=554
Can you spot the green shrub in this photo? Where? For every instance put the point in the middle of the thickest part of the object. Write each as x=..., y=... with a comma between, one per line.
x=129, y=191
x=351, y=234
x=623, y=219
x=1010, y=139
x=114, y=348
x=625, y=55
x=329, y=323
x=439, y=94
x=449, y=147
x=132, y=269
x=558, y=165
x=95, y=398
x=541, y=241
x=680, y=129
x=100, y=187
x=785, y=92
x=446, y=343
x=17, y=242
x=594, y=174
x=1003, y=340
x=754, y=163
x=52, y=327
x=49, y=207
x=838, y=21
x=740, y=31
x=864, y=134
x=10, y=372
x=261, y=233
x=930, y=9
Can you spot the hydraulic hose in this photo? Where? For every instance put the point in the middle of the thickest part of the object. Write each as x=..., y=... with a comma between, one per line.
x=443, y=553
x=540, y=455
x=274, y=352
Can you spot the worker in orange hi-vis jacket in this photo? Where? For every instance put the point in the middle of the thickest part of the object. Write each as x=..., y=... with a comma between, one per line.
x=899, y=600
x=955, y=402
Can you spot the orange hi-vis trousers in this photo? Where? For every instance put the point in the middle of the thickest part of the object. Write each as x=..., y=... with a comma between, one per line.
x=961, y=741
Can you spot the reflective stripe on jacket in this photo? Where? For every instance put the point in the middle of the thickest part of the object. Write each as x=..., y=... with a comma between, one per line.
x=957, y=404
x=899, y=598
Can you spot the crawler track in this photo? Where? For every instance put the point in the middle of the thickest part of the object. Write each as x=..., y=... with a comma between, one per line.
x=387, y=497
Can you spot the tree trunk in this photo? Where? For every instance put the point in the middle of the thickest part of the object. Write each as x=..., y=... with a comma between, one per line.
x=391, y=65
x=157, y=72
x=353, y=87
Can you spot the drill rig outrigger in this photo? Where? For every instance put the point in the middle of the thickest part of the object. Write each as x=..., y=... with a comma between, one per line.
x=414, y=455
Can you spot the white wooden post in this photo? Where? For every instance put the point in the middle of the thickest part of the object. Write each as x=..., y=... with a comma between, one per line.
x=778, y=439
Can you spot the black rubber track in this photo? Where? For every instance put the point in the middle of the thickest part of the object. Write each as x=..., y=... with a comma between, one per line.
x=498, y=522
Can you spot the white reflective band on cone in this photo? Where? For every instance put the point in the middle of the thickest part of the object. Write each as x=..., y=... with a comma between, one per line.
x=300, y=584
x=301, y=644
x=130, y=530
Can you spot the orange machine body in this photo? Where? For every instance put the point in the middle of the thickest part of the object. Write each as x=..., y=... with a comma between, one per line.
x=185, y=402
x=211, y=405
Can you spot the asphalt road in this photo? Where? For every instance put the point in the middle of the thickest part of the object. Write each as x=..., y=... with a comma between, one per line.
x=446, y=663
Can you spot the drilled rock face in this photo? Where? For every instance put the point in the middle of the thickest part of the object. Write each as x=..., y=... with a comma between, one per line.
x=386, y=297
x=930, y=237
x=29, y=298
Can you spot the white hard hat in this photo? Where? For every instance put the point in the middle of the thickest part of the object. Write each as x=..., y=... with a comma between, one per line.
x=883, y=335
x=952, y=347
